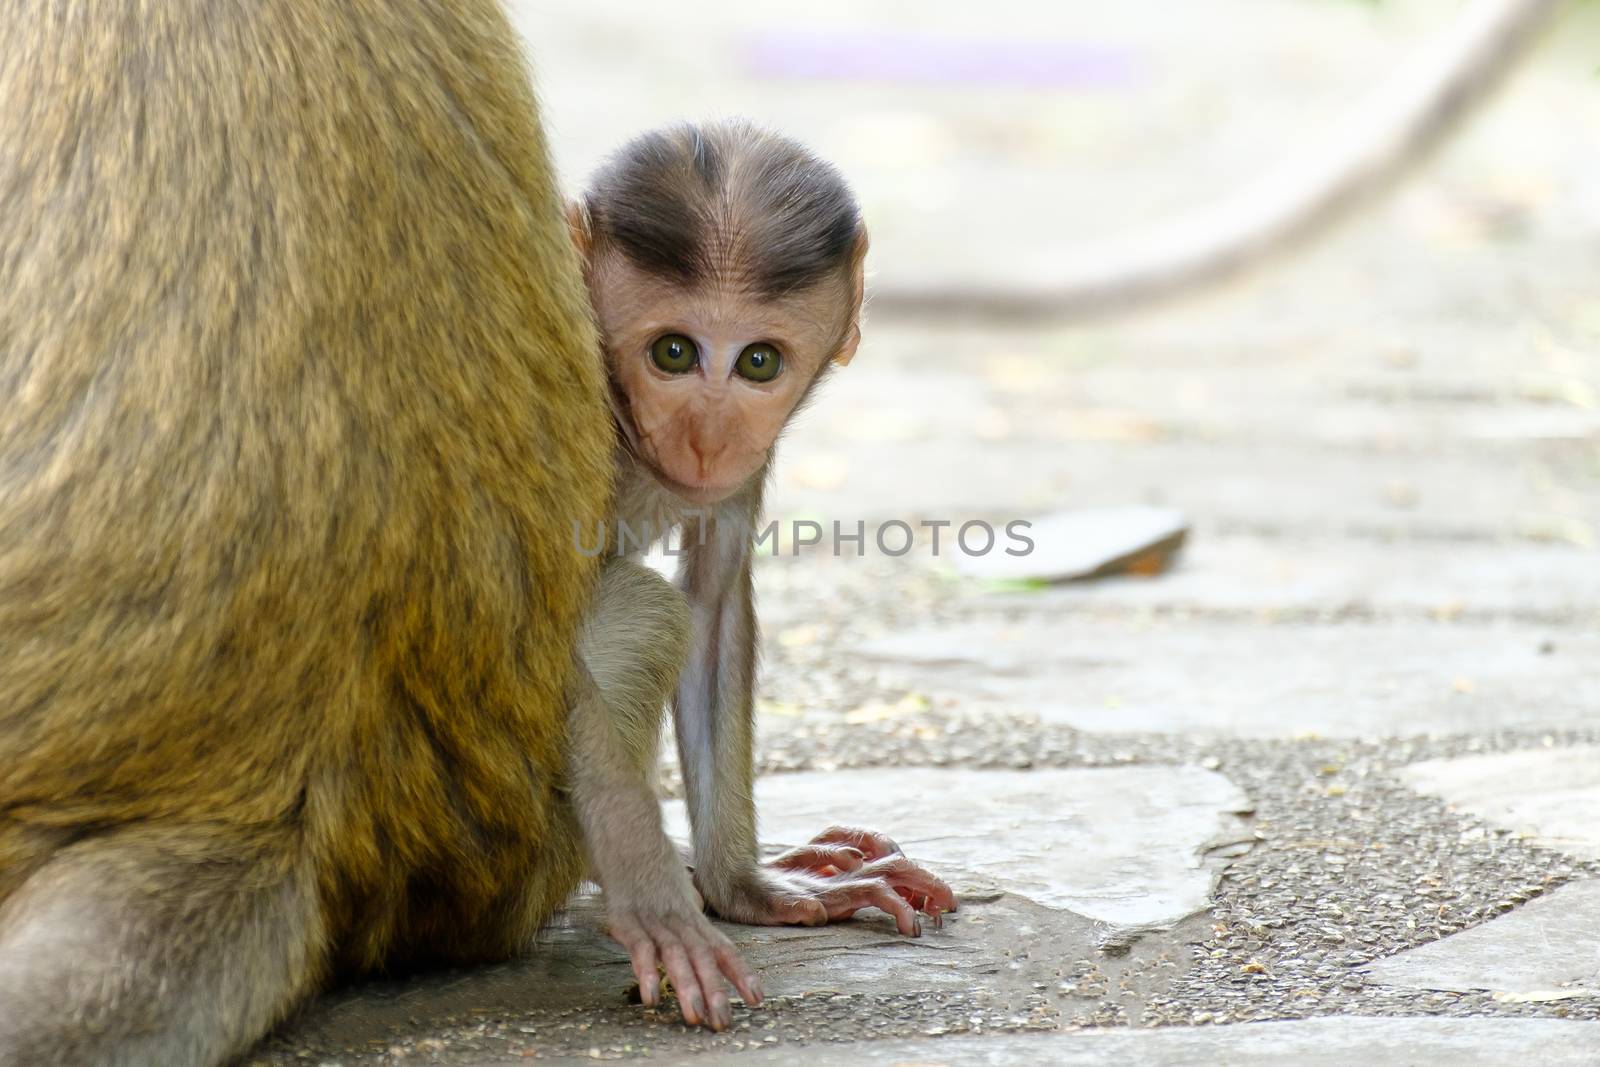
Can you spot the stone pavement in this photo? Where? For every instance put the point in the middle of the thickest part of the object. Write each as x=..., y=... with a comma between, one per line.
x=1326, y=792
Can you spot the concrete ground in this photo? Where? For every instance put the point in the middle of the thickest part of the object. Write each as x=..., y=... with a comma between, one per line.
x=1327, y=791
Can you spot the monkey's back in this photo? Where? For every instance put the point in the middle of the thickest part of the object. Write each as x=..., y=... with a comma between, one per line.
x=298, y=404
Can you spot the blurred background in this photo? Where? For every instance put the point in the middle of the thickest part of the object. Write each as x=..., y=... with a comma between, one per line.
x=1454, y=329
x=1398, y=424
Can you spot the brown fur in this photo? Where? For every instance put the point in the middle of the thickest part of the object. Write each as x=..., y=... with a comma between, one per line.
x=725, y=203
x=299, y=411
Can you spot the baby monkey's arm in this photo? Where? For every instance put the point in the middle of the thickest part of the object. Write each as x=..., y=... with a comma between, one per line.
x=842, y=870
x=629, y=657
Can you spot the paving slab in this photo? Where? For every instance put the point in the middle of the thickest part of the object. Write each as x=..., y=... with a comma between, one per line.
x=1549, y=949
x=1387, y=396
x=1123, y=845
x=1076, y=545
x=1336, y=680
x=916, y=385
x=985, y=970
x=1291, y=487
x=1218, y=573
x=1334, y=1042
x=575, y=967
x=1550, y=795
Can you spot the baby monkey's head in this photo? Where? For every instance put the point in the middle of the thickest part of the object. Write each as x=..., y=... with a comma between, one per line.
x=725, y=266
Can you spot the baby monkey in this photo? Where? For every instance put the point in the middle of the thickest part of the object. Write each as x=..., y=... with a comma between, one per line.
x=725, y=265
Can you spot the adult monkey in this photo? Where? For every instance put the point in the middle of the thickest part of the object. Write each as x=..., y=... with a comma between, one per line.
x=299, y=402
x=1402, y=119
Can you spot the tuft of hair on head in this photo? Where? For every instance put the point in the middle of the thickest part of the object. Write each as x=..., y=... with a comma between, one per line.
x=728, y=202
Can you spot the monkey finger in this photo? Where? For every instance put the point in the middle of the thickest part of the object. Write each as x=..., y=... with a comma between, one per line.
x=737, y=971
x=877, y=893
x=802, y=911
x=923, y=903
x=919, y=902
x=932, y=911
x=850, y=897
x=821, y=859
x=906, y=876
x=718, y=1012
x=642, y=955
x=646, y=969
x=872, y=844
x=691, y=1003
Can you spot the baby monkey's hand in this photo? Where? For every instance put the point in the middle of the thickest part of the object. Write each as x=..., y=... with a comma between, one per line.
x=841, y=871
x=678, y=938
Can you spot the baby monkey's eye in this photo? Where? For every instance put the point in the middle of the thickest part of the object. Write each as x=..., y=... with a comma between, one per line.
x=675, y=353
x=759, y=363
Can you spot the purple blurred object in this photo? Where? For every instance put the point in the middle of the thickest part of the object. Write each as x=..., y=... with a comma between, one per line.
x=925, y=59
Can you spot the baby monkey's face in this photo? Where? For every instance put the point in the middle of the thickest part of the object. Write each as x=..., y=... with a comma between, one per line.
x=710, y=374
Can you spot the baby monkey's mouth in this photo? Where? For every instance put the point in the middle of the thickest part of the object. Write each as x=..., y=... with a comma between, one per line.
x=703, y=493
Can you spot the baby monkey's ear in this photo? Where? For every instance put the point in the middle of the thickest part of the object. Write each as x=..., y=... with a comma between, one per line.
x=578, y=225
x=858, y=291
